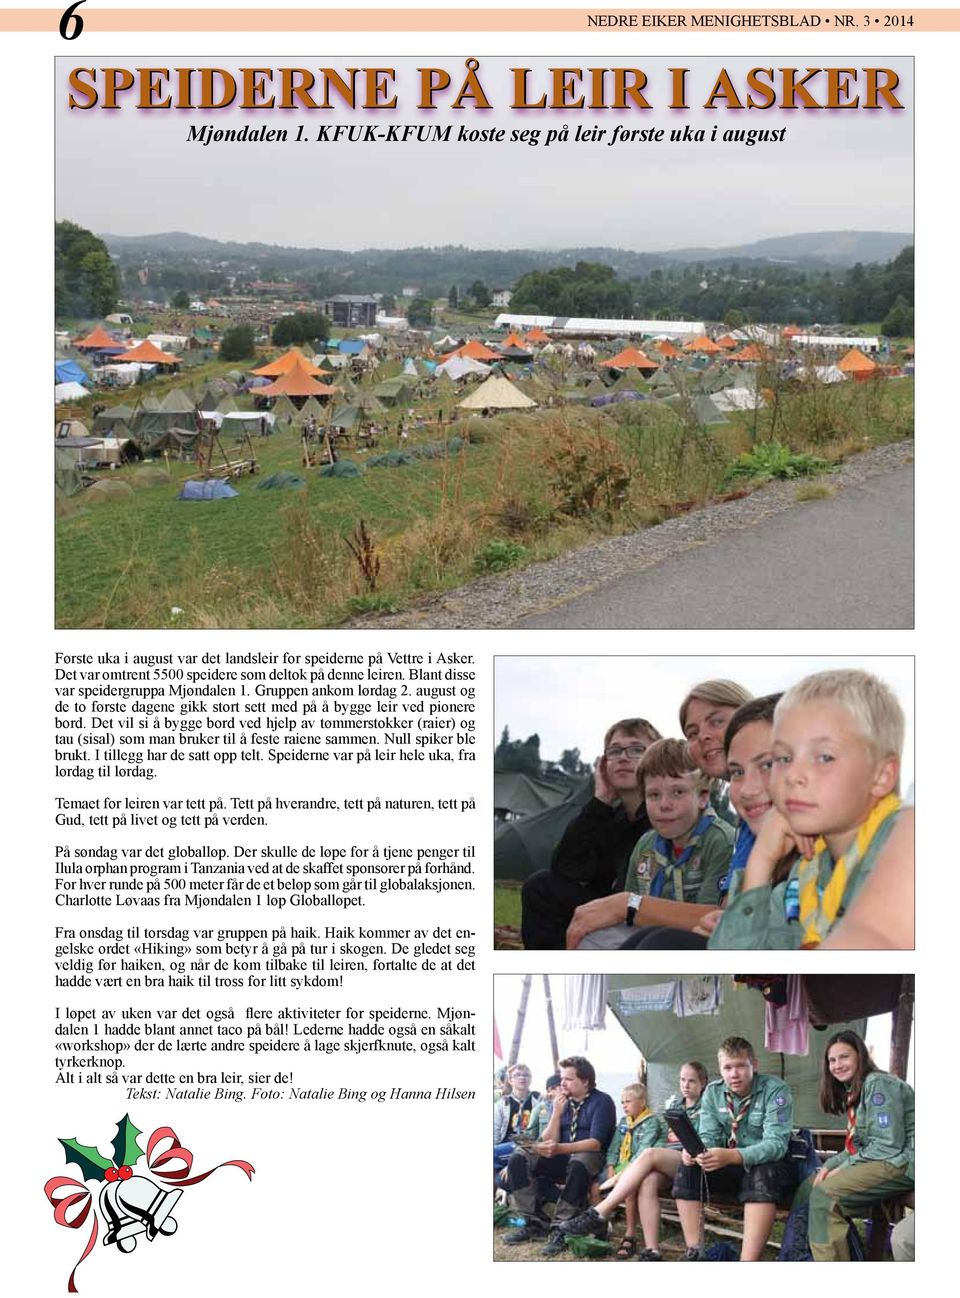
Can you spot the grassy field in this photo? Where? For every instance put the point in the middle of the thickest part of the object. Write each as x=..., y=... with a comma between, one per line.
x=526, y=487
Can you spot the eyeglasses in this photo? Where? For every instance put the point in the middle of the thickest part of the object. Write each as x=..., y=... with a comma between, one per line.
x=631, y=750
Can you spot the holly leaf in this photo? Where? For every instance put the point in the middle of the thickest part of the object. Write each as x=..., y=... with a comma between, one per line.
x=126, y=1151
x=88, y=1158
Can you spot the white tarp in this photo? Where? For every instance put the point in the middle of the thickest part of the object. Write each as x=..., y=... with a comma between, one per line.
x=69, y=392
x=589, y=325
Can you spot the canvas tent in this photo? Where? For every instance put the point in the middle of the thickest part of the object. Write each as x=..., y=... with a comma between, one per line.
x=666, y=1040
x=525, y=845
x=497, y=393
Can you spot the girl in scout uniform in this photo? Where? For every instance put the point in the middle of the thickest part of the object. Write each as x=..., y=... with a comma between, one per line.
x=639, y=1130
x=641, y=1184
x=877, y=1159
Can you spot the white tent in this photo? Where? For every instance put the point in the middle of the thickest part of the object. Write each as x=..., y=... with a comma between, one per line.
x=458, y=367
x=69, y=392
x=497, y=393
x=738, y=399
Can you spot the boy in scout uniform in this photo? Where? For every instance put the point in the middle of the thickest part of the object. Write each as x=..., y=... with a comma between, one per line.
x=876, y=1162
x=674, y=875
x=745, y=1122
x=837, y=738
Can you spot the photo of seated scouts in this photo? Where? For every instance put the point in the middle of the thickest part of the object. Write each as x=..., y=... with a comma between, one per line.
x=591, y=858
x=673, y=879
x=745, y=1122
x=640, y=1185
x=835, y=788
x=568, y=1156
x=877, y=1158
x=639, y=1129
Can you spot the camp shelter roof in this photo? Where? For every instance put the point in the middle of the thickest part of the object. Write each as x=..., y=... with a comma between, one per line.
x=706, y=411
x=98, y=340
x=631, y=358
x=283, y=408
x=513, y=339
x=749, y=353
x=855, y=362
x=457, y=367
x=667, y=1040
x=283, y=364
x=702, y=344
x=727, y=343
x=497, y=393
x=68, y=392
x=297, y=381
x=474, y=350
x=208, y=489
x=345, y=416
x=666, y=348
x=226, y=404
x=149, y=354
x=519, y=355
x=178, y=402
x=72, y=428
x=69, y=372
x=149, y=403
x=522, y=847
x=738, y=399
x=311, y=409
x=519, y=794
x=536, y=335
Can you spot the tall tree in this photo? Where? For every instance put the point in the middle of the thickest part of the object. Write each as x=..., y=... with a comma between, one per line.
x=86, y=281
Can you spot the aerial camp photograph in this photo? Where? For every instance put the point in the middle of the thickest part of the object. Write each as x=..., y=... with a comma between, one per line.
x=682, y=1117
x=474, y=345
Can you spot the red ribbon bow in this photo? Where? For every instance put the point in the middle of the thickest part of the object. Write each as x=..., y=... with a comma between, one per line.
x=176, y=1153
x=74, y=1195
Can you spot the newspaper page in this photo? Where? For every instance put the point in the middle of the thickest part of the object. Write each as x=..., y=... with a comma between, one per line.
x=432, y=390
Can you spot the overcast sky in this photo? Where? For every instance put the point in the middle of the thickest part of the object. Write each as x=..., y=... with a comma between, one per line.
x=133, y=172
x=570, y=701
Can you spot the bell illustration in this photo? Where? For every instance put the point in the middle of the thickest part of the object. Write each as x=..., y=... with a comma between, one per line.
x=137, y=1206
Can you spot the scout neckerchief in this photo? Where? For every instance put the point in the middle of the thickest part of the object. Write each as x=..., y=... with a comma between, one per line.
x=742, y=847
x=575, y=1106
x=848, y=1144
x=819, y=907
x=736, y=1118
x=665, y=848
x=626, y=1142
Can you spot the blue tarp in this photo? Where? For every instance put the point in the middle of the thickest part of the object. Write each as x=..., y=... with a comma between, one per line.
x=212, y=489
x=70, y=372
x=351, y=347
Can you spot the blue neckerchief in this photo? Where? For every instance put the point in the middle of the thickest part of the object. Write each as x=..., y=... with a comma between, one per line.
x=742, y=847
x=664, y=847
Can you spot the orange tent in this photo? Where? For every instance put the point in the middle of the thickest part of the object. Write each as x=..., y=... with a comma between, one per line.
x=297, y=381
x=792, y=330
x=476, y=351
x=749, y=353
x=727, y=342
x=666, y=348
x=857, y=365
x=513, y=341
x=536, y=335
x=96, y=340
x=283, y=364
x=631, y=359
x=702, y=344
x=149, y=354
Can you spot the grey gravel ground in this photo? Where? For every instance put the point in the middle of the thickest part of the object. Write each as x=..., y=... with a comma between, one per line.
x=553, y=593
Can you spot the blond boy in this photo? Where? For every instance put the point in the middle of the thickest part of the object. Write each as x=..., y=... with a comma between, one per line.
x=837, y=741
x=639, y=1129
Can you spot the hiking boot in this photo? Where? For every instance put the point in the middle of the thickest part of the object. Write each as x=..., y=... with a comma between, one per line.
x=585, y=1223
x=556, y=1243
x=692, y=1255
x=524, y=1234
x=649, y=1255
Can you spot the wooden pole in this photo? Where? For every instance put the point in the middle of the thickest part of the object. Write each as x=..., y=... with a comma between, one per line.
x=902, y=1029
x=521, y=1017
x=551, y=1023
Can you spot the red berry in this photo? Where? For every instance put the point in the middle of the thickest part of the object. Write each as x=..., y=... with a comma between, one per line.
x=125, y=1173
x=111, y=1174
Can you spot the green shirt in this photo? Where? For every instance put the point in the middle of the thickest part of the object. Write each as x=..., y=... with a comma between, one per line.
x=765, y=1119
x=884, y=1130
x=648, y=1134
x=698, y=879
x=757, y=919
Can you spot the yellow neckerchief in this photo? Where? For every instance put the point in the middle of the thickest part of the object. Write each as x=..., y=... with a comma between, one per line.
x=818, y=911
x=626, y=1143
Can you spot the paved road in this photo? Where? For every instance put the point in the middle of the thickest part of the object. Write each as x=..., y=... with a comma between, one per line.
x=844, y=562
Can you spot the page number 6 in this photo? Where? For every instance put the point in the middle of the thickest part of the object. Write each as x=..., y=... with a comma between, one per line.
x=71, y=23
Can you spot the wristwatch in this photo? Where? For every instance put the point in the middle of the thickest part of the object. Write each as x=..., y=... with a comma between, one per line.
x=633, y=905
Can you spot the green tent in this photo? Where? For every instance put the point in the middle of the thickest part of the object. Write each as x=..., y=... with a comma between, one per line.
x=523, y=846
x=667, y=1041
